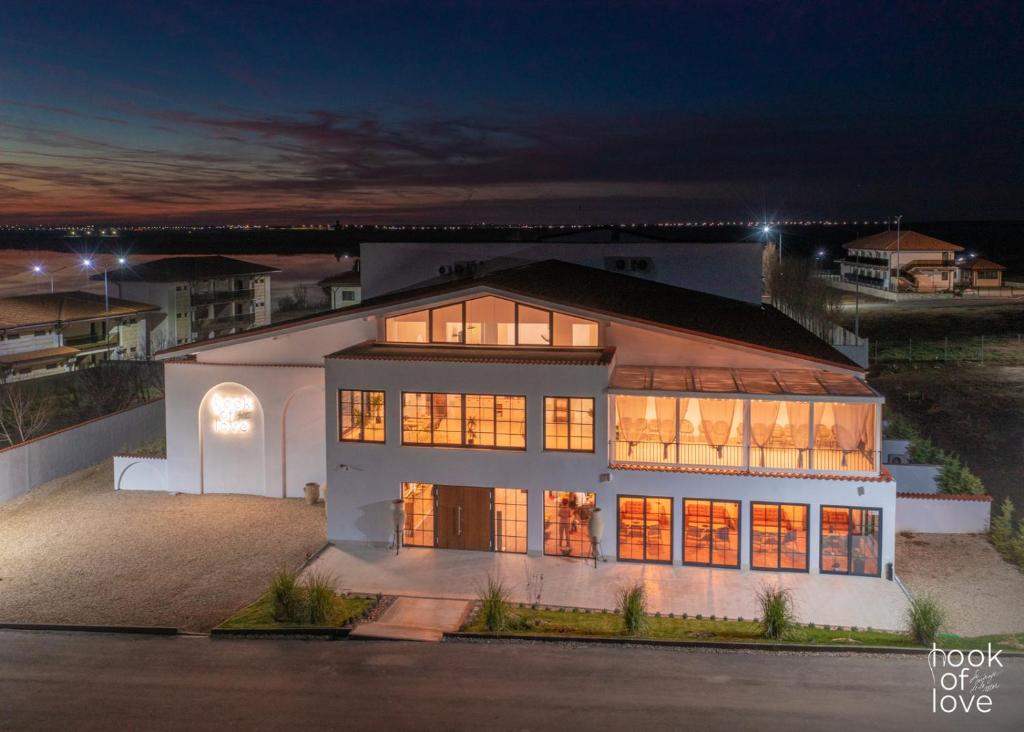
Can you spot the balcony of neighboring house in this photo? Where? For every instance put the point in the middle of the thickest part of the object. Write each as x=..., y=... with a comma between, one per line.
x=213, y=296
x=743, y=421
x=223, y=322
x=98, y=337
x=855, y=261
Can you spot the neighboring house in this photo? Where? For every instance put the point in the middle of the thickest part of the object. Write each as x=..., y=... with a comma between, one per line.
x=909, y=260
x=980, y=273
x=503, y=408
x=56, y=332
x=200, y=297
x=342, y=289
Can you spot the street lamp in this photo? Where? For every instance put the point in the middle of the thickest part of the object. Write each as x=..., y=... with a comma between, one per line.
x=88, y=264
x=38, y=269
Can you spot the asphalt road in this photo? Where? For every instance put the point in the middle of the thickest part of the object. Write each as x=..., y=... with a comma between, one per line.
x=91, y=681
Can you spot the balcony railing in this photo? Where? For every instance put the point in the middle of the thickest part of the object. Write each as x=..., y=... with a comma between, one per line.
x=207, y=298
x=90, y=340
x=226, y=321
x=819, y=459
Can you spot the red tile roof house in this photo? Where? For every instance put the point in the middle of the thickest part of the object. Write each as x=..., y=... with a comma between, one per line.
x=502, y=409
x=912, y=261
x=980, y=273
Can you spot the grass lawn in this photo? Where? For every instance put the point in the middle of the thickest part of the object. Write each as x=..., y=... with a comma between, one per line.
x=261, y=614
x=568, y=624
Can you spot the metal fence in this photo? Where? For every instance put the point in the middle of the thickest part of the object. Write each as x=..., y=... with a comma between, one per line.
x=998, y=349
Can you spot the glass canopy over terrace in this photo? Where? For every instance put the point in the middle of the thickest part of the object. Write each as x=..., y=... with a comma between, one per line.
x=789, y=420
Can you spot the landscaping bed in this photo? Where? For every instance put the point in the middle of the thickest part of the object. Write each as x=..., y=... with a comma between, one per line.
x=573, y=624
x=260, y=615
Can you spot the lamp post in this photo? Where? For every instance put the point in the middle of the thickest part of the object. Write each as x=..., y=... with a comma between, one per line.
x=899, y=219
x=88, y=264
x=38, y=269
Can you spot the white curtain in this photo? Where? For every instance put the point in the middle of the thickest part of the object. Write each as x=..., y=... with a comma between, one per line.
x=799, y=414
x=716, y=419
x=763, y=417
x=631, y=418
x=850, y=426
x=665, y=411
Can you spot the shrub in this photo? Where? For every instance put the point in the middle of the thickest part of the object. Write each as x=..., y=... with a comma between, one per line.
x=494, y=606
x=1017, y=544
x=956, y=478
x=319, y=597
x=632, y=603
x=1001, y=530
x=777, y=613
x=924, y=619
x=922, y=450
x=285, y=595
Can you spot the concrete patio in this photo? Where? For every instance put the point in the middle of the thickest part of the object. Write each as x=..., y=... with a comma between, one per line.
x=417, y=572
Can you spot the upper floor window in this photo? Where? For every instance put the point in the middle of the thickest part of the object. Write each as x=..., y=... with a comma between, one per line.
x=491, y=321
x=569, y=424
x=360, y=415
x=464, y=420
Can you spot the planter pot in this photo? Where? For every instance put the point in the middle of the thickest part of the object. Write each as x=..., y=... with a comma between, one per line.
x=312, y=491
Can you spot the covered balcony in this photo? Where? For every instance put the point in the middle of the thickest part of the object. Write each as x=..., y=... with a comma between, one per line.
x=756, y=420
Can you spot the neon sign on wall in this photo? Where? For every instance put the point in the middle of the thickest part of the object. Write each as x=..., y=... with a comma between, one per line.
x=232, y=413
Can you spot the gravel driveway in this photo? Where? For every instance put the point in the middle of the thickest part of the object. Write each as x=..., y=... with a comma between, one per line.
x=982, y=593
x=76, y=551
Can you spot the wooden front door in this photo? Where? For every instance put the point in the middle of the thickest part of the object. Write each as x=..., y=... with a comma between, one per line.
x=463, y=517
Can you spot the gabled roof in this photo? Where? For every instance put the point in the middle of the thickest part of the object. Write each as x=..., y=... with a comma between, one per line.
x=185, y=269
x=909, y=241
x=25, y=311
x=606, y=293
x=979, y=263
x=371, y=350
x=349, y=279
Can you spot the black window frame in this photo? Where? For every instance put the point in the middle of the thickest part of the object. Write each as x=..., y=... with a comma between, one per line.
x=807, y=552
x=462, y=427
x=711, y=548
x=365, y=406
x=568, y=413
x=849, y=540
x=671, y=533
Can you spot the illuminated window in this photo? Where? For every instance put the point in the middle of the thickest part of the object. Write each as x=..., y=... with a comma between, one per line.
x=492, y=321
x=569, y=424
x=780, y=434
x=408, y=328
x=711, y=532
x=464, y=420
x=510, y=520
x=850, y=541
x=778, y=536
x=844, y=437
x=419, y=514
x=566, y=522
x=645, y=529
x=360, y=415
x=573, y=331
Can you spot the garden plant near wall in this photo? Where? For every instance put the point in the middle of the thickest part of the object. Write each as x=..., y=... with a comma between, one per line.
x=1007, y=536
x=954, y=477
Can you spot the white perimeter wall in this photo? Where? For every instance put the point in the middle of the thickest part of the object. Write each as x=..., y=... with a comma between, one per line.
x=729, y=269
x=359, y=497
x=942, y=515
x=140, y=473
x=45, y=458
x=290, y=444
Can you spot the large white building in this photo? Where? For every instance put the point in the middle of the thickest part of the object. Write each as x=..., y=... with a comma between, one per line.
x=198, y=297
x=504, y=405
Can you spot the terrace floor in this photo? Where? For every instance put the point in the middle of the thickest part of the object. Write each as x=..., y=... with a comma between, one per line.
x=450, y=574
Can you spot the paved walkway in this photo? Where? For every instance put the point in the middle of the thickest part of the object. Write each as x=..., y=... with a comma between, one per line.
x=416, y=619
x=441, y=573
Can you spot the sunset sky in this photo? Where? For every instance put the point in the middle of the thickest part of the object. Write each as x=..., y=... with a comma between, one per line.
x=516, y=112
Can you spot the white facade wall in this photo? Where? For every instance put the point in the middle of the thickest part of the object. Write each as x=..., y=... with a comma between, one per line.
x=140, y=473
x=360, y=493
x=280, y=446
x=728, y=269
x=942, y=515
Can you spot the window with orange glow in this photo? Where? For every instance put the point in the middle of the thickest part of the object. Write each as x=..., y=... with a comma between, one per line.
x=851, y=541
x=510, y=520
x=569, y=424
x=464, y=420
x=567, y=521
x=360, y=415
x=645, y=529
x=492, y=321
x=419, y=514
x=711, y=532
x=778, y=536
x=844, y=437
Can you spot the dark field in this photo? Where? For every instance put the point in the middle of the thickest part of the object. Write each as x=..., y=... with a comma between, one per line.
x=965, y=405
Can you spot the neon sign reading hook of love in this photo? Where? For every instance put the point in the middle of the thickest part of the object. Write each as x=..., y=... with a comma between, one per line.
x=232, y=413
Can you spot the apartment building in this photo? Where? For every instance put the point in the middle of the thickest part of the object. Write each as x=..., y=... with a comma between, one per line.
x=51, y=333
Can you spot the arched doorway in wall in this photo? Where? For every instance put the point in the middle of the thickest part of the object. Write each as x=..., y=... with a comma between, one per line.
x=231, y=442
x=303, y=448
